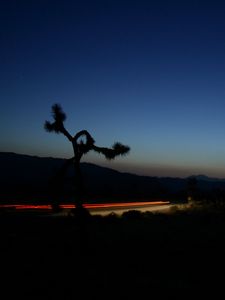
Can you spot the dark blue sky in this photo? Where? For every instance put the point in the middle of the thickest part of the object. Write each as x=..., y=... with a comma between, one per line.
x=150, y=74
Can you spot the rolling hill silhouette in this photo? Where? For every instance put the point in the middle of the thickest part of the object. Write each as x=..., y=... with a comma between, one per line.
x=26, y=178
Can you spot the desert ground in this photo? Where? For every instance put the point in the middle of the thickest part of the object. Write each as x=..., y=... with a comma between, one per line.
x=134, y=255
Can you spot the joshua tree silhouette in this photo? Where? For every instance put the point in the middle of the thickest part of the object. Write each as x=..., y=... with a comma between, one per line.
x=80, y=148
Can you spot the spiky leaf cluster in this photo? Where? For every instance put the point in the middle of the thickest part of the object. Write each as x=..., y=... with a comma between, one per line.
x=59, y=116
x=120, y=149
x=111, y=153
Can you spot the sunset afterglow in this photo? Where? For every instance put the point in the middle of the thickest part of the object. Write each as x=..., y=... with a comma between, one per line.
x=147, y=73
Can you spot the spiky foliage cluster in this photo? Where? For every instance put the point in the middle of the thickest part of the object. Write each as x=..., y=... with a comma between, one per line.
x=120, y=149
x=111, y=153
x=59, y=116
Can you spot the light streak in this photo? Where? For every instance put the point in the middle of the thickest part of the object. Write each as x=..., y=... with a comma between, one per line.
x=88, y=206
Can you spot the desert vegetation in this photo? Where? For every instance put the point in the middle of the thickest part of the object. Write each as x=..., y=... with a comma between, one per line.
x=82, y=142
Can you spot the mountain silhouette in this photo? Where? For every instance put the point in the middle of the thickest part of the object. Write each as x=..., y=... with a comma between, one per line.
x=26, y=178
x=206, y=178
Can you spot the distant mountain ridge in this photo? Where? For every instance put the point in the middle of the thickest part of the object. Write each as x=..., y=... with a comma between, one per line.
x=25, y=177
x=206, y=178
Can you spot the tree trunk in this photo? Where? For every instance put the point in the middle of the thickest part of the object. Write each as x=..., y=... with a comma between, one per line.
x=79, y=184
x=56, y=185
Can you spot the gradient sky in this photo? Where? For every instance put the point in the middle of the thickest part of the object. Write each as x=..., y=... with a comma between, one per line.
x=150, y=74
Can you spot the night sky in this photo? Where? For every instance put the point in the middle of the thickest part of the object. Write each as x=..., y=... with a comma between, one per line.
x=150, y=74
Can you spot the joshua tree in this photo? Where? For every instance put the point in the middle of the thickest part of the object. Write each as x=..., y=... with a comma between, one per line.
x=80, y=147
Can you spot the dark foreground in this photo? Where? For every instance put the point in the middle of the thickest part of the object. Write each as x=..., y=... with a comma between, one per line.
x=136, y=256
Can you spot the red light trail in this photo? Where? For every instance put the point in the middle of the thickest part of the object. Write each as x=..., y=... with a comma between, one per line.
x=88, y=206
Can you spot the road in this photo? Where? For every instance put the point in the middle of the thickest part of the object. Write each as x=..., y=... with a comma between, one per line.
x=102, y=209
x=123, y=207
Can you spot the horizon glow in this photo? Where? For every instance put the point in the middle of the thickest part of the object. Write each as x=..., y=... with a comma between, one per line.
x=147, y=74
